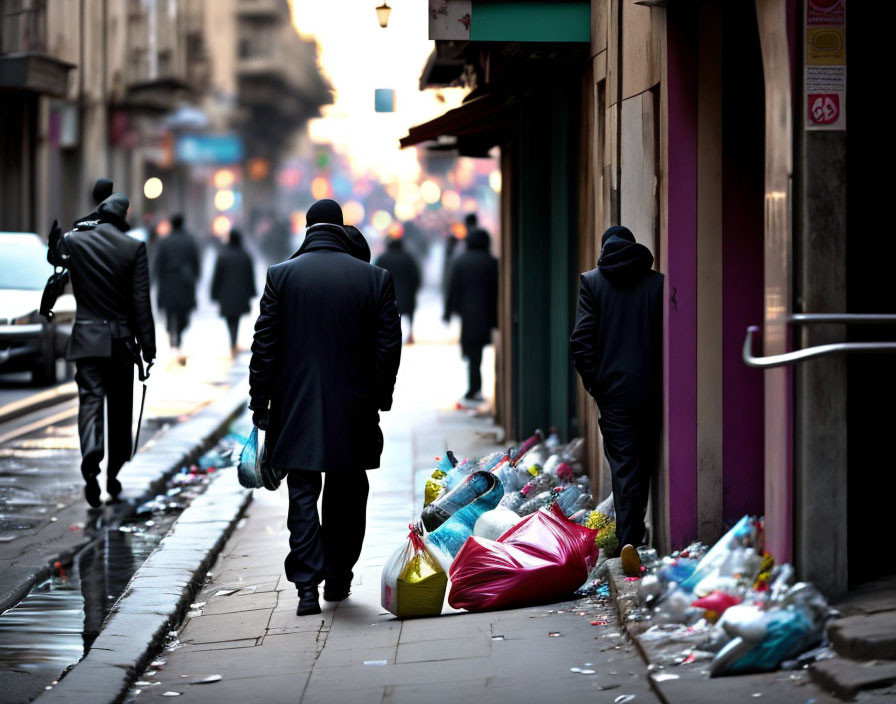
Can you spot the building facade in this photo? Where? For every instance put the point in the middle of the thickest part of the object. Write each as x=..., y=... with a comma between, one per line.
x=717, y=132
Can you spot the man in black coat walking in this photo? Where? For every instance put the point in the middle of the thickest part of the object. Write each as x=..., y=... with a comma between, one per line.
x=617, y=349
x=113, y=327
x=233, y=284
x=324, y=361
x=176, y=271
x=406, y=277
x=473, y=294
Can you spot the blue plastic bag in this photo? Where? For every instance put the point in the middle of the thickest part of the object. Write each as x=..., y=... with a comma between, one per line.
x=453, y=533
x=249, y=468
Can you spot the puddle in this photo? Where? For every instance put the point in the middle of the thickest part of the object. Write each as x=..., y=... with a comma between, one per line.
x=56, y=623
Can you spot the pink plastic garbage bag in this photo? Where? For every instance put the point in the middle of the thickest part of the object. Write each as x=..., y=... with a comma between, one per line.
x=544, y=558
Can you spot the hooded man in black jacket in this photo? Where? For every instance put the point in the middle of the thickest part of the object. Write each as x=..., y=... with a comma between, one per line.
x=324, y=361
x=617, y=349
x=406, y=277
x=473, y=295
x=113, y=326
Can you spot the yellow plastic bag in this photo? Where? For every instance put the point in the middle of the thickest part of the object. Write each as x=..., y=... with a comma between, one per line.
x=413, y=581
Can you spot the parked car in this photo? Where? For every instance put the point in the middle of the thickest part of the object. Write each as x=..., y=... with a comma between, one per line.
x=28, y=342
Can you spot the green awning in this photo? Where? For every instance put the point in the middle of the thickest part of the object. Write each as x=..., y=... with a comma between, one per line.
x=531, y=21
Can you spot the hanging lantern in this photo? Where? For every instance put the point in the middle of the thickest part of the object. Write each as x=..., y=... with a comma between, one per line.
x=382, y=14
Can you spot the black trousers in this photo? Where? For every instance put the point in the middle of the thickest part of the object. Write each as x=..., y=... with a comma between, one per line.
x=105, y=381
x=233, y=327
x=473, y=353
x=325, y=547
x=631, y=446
x=177, y=323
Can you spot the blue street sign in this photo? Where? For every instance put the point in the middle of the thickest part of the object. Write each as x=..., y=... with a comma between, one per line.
x=209, y=149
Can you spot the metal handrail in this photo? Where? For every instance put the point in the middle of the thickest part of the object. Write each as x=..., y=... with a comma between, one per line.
x=843, y=318
x=789, y=358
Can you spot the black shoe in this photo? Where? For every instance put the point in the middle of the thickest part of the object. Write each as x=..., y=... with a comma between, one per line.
x=92, y=492
x=113, y=486
x=308, y=601
x=336, y=589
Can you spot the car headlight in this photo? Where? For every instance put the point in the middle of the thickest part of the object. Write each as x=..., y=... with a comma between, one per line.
x=31, y=318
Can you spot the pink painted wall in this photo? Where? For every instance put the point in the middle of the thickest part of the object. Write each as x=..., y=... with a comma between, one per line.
x=680, y=321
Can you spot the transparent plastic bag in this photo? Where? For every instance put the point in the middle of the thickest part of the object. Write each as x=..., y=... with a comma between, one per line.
x=493, y=524
x=413, y=582
x=251, y=457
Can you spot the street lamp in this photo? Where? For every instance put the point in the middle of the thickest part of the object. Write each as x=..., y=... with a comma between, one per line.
x=382, y=14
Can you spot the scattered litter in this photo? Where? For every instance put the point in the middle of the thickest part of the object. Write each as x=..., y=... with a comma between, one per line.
x=171, y=694
x=497, y=637
x=198, y=604
x=53, y=519
x=241, y=523
x=598, y=623
x=664, y=677
x=575, y=669
x=249, y=590
x=226, y=592
x=208, y=680
x=623, y=698
x=587, y=672
x=554, y=634
x=376, y=663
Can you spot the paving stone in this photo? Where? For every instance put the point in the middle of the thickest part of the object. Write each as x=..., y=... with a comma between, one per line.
x=372, y=695
x=235, y=603
x=445, y=649
x=437, y=693
x=354, y=656
x=360, y=677
x=220, y=627
x=264, y=689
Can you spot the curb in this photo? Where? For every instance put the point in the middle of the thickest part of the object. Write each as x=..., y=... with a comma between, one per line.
x=156, y=598
x=141, y=479
x=37, y=402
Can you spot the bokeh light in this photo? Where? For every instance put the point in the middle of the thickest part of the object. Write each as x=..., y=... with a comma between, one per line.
x=163, y=229
x=470, y=205
x=494, y=180
x=380, y=219
x=320, y=188
x=451, y=200
x=224, y=199
x=152, y=189
x=395, y=230
x=406, y=211
x=224, y=178
x=459, y=230
x=353, y=213
x=221, y=225
x=430, y=192
x=297, y=220
x=258, y=168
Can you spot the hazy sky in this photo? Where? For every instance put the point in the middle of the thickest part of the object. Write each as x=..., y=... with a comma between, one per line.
x=358, y=56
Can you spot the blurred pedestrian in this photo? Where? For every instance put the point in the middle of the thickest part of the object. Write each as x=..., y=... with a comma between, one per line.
x=406, y=277
x=233, y=284
x=473, y=295
x=324, y=361
x=113, y=328
x=617, y=349
x=176, y=271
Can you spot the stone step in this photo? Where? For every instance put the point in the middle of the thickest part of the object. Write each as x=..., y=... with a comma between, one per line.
x=865, y=637
x=844, y=678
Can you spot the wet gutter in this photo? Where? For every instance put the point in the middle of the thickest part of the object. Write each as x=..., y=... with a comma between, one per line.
x=156, y=597
x=143, y=478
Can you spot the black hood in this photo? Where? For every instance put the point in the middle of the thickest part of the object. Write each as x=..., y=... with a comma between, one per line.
x=360, y=248
x=621, y=256
x=326, y=236
x=478, y=239
x=113, y=211
x=395, y=244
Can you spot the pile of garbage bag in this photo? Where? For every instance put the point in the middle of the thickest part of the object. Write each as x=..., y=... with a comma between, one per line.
x=731, y=603
x=514, y=528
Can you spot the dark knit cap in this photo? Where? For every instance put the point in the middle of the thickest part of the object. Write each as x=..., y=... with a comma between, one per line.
x=102, y=189
x=326, y=210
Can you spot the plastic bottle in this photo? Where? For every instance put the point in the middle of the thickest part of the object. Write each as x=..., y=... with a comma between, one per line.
x=541, y=500
x=476, y=486
x=566, y=497
x=518, y=498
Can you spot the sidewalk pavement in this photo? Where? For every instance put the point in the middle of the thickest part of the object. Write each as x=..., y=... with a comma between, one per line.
x=357, y=652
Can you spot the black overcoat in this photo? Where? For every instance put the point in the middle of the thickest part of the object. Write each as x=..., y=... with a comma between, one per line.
x=405, y=275
x=233, y=283
x=473, y=291
x=617, y=342
x=176, y=270
x=110, y=281
x=325, y=356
